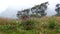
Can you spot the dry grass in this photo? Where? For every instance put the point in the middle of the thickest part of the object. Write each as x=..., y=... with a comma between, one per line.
x=41, y=25
x=5, y=20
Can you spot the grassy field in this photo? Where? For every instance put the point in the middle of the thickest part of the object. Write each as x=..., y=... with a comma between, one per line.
x=44, y=25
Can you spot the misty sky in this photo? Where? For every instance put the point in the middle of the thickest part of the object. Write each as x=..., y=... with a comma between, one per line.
x=23, y=4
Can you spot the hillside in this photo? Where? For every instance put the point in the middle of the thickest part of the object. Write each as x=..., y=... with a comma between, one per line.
x=44, y=25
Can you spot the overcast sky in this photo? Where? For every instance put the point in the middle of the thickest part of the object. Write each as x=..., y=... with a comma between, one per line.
x=22, y=4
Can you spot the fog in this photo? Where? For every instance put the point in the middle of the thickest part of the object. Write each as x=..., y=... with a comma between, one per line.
x=23, y=4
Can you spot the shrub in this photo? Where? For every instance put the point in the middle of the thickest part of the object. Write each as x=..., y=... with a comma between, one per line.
x=28, y=25
x=51, y=23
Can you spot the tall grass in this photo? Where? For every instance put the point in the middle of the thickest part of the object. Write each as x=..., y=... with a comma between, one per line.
x=44, y=25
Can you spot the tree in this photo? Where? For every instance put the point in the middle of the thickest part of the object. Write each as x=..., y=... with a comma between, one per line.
x=19, y=13
x=23, y=12
x=40, y=9
x=58, y=9
x=26, y=11
x=43, y=8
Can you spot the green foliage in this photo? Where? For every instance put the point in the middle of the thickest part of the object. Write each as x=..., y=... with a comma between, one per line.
x=58, y=30
x=7, y=27
x=42, y=25
x=28, y=25
x=51, y=23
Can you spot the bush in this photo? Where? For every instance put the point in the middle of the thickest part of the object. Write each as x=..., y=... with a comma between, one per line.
x=51, y=23
x=28, y=25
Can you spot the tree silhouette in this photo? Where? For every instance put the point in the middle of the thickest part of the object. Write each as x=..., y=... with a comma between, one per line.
x=58, y=9
x=26, y=11
x=23, y=14
x=19, y=13
x=40, y=9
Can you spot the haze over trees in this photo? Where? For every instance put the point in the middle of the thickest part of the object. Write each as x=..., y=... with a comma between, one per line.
x=38, y=10
x=31, y=21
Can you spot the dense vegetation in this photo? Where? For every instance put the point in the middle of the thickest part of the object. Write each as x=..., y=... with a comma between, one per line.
x=44, y=25
x=35, y=23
